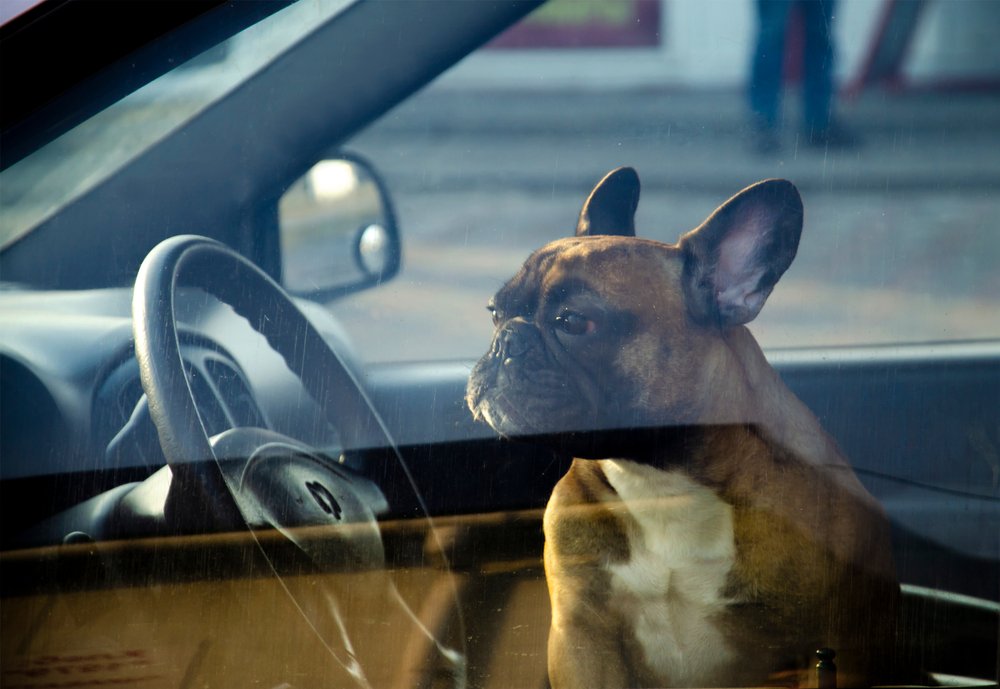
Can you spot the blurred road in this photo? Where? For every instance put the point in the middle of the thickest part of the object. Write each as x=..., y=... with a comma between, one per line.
x=901, y=240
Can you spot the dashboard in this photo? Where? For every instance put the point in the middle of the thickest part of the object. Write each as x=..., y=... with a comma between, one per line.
x=73, y=404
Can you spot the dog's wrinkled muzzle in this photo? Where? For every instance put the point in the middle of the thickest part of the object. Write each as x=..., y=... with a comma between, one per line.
x=499, y=390
x=514, y=340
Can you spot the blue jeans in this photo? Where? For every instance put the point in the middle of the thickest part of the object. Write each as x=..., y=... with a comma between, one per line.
x=768, y=60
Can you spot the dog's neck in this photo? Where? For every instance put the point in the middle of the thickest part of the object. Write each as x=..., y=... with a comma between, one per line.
x=738, y=389
x=752, y=431
x=742, y=388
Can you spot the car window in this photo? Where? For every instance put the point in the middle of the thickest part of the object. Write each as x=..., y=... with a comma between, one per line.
x=544, y=451
x=489, y=163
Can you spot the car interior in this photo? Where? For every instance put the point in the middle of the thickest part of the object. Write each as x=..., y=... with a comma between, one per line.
x=205, y=483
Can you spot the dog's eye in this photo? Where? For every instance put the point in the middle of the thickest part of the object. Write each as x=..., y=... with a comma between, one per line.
x=493, y=313
x=574, y=323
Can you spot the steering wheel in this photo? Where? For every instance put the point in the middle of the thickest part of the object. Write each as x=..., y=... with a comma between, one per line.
x=221, y=272
x=284, y=484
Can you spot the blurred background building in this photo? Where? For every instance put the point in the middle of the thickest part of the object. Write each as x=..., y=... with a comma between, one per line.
x=691, y=43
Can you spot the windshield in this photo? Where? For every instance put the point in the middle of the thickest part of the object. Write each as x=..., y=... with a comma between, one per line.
x=486, y=165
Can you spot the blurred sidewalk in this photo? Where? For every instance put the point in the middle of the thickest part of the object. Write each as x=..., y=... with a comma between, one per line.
x=678, y=140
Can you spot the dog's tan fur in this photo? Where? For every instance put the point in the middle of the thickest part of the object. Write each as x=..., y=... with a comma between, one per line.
x=740, y=541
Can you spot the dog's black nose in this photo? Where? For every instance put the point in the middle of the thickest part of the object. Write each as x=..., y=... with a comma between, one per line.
x=514, y=340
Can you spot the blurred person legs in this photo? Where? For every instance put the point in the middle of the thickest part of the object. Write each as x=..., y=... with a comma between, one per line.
x=819, y=127
x=766, y=72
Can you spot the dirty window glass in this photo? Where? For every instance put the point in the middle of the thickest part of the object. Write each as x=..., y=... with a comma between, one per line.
x=494, y=159
x=200, y=490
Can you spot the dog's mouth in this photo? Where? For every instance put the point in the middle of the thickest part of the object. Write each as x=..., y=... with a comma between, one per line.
x=571, y=438
x=517, y=416
x=502, y=415
x=520, y=400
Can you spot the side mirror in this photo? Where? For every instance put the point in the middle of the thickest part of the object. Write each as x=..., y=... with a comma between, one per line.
x=338, y=230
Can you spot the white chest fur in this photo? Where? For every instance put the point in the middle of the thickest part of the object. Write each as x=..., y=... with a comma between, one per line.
x=671, y=588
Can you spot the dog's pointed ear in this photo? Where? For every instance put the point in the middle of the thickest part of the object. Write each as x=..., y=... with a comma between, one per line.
x=610, y=208
x=733, y=259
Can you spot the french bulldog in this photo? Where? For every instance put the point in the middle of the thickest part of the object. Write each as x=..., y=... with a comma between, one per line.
x=714, y=535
